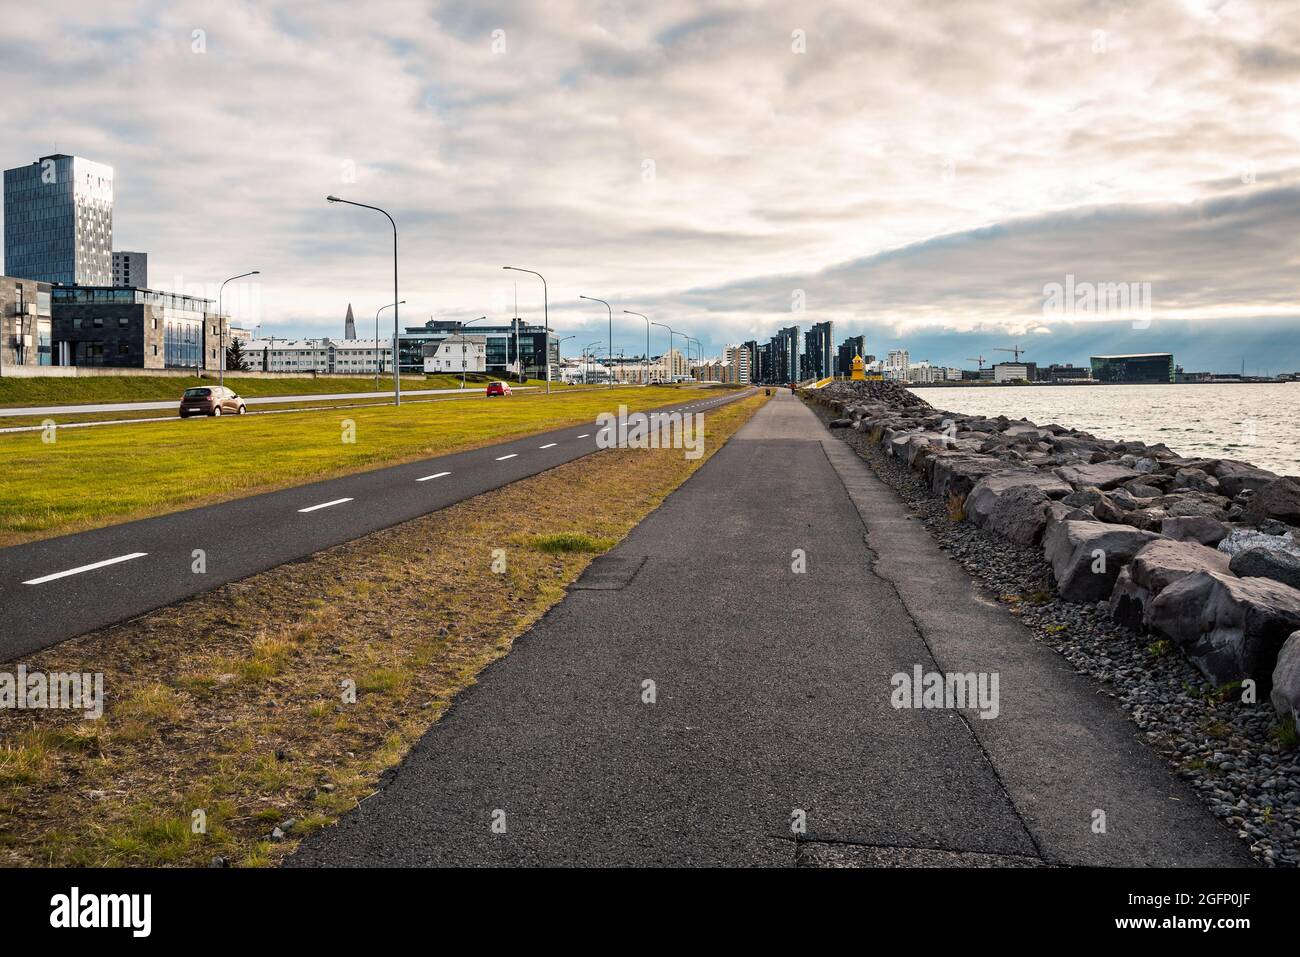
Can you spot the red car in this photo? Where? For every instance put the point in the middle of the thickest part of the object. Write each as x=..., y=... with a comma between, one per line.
x=498, y=388
x=211, y=400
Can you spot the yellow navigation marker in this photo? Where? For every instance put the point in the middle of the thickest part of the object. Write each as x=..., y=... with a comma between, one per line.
x=858, y=374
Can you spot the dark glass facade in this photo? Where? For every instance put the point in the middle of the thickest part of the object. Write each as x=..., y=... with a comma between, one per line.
x=58, y=216
x=501, y=352
x=1142, y=368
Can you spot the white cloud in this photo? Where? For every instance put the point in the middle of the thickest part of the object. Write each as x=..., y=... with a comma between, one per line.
x=915, y=164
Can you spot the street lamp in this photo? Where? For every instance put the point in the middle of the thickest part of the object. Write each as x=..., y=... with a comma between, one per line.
x=591, y=353
x=699, y=353
x=671, y=333
x=462, y=349
x=559, y=343
x=546, y=317
x=378, y=363
x=611, y=325
x=645, y=378
x=221, y=376
x=397, y=365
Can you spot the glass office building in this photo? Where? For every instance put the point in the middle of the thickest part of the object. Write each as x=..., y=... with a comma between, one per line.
x=134, y=328
x=59, y=221
x=1142, y=367
x=25, y=329
x=508, y=347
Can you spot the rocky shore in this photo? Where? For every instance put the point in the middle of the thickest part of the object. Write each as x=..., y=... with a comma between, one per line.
x=1175, y=581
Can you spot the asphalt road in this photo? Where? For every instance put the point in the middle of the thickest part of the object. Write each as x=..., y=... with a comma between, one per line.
x=174, y=404
x=58, y=588
x=772, y=706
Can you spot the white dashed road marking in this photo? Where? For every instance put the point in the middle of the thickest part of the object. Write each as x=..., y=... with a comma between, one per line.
x=502, y=458
x=427, y=477
x=585, y=435
x=312, y=508
x=85, y=568
x=549, y=445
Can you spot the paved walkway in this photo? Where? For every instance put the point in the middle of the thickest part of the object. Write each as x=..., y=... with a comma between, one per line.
x=773, y=701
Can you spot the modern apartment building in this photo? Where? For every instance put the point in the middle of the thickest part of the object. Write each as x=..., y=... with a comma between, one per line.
x=131, y=269
x=58, y=217
x=25, y=325
x=897, y=363
x=738, y=362
x=134, y=328
x=850, y=347
x=819, y=351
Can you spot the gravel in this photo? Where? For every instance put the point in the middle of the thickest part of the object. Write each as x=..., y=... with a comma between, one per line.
x=1222, y=746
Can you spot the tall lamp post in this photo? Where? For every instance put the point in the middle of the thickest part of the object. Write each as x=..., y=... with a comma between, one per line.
x=221, y=376
x=546, y=318
x=645, y=378
x=591, y=357
x=559, y=343
x=611, y=326
x=378, y=363
x=397, y=365
x=462, y=347
x=671, y=333
x=699, y=353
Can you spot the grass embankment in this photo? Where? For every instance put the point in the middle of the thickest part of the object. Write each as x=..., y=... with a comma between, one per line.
x=95, y=476
x=231, y=703
x=87, y=391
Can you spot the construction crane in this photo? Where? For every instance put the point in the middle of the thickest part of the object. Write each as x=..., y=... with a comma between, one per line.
x=979, y=359
x=1014, y=350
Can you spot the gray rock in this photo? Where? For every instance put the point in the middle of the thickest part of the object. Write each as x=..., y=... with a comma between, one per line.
x=1194, y=528
x=1128, y=601
x=984, y=495
x=953, y=473
x=840, y=423
x=1286, y=681
x=1240, y=539
x=1020, y=514
x=1103, y=475
x=1230, y=628
x=1142, y=490
x=1086, y=557
x=1279, y=564
x=1234, y=477
x=1197, y=480
x=1160, y=563
x=1278, y=500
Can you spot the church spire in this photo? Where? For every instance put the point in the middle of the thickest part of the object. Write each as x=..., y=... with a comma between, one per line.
x=349, y=325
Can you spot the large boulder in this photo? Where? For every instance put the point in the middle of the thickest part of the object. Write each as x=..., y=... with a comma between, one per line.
x=1279, y=564
x=1235, y=476
x=1194, y=528
x=1286, y=681
x=984, y=495
x=1230, y=628
x=1278, y=500
x=924, y=440
x=954, y=473
x=1020, y=514
x=1086, y=557
x=1154, y=567
x=1240, y=539
x=1102, y=475
x=1198, y=480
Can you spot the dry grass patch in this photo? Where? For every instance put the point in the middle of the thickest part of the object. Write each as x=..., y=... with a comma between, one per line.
x=238, y=703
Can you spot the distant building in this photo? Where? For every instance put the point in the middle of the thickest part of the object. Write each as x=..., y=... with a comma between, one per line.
x=1010, y=372
x=325, y=356
x=131, y=269
x=349, y=325
x=1141, y=367
x=819, y=351
x=26, y=330
x=130, y=328
x=785, y=354
x=1064, y=373
x=897, y=364
x=737, y=359
x=459, y=353
x=850, y=347
x=59, y=221
x=511, y=348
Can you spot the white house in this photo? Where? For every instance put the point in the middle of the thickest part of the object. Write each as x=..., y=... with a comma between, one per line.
x=456, y=353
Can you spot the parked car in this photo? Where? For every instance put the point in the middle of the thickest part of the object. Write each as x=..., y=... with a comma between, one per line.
x=211, y=400
x=498, y=388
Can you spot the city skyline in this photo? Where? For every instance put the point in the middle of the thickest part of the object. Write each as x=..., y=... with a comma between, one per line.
x=936, y=197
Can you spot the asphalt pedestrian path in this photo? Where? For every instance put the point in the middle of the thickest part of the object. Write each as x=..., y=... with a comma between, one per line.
x=772, y=739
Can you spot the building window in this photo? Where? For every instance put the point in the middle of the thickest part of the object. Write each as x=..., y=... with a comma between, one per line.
x=97, y=322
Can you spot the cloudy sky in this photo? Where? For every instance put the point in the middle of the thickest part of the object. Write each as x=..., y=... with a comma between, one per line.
x=920, y=172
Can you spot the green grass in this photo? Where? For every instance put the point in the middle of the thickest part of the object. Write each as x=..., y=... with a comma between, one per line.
x=572, y=542
x=59, y=391
x=91, y=477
